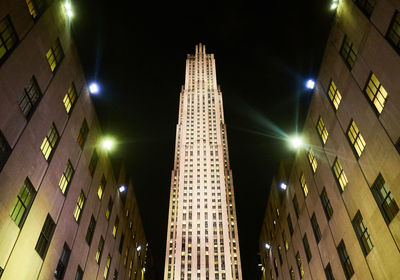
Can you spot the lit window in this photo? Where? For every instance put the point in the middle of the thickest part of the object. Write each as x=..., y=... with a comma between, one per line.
x=326, y=204
x=109, y=209
x=5, y=150
x=49, y=142
x=323, y=133
x=356, y=138
x=315, y=227
x=8, y=38
x=362, y=233
x=312, y=160
x=45, y=236
x=303, y=185
x=334, y=95
x=376, y=93
x=366, y=6
x=36, y=7
x=115, y=228
x=107, y=268
x=345, y=260
x=348, y=52
x=54, y=55
x=102, y=185
x=339, y=174
x=66, y=177
x=299, y=265
x=384, y=199
x=93, y=162
x=393, y=34
x=30, y=98
x=100, y=249
x=79, y=206
x=23, y=203
x=83, y=133
x=307, y=248
x=70, y=98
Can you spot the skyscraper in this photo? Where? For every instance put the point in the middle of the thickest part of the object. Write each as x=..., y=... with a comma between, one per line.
x=202, y=240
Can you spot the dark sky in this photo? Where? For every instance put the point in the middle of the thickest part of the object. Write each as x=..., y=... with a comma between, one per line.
x=264, y=54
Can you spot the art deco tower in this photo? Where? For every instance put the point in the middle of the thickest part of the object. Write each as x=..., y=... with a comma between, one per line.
x=202, y=241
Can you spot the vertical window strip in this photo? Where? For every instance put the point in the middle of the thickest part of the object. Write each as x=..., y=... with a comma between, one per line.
x=79, y=206
x=376, y=93
x=326, y=204
x=49, y=142
x=23, y=203
x=334, y=95
x=362, y=233
x=340, y=175
x=345, y=260
x=303, y=185
x=8, y=38
x=83, y=133
x=45, y=237
x=384, y=198
x=312, y=160
x=356, y=138
x=70, y=98
x=66, y=177
x=348, y=52
x=323, y=133
x=30, y=98
x=54, y=55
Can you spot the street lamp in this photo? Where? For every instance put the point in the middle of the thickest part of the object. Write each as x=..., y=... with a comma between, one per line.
x=296, y=141
x=94, y=88
x=68, y=9
x=267, y=246
x=107, y=144
x=310, y=84
x=283, y=186
x=334, y=4
x=121, y=188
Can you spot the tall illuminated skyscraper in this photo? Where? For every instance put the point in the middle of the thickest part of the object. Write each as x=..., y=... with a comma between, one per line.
x=202, y=240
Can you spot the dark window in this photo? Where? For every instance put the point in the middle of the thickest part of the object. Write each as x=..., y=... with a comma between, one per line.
x=326, y=204
x=63, y=262
x=100, y=249
x=45, y=236
x=79, y=273
x=291, y=271
x=23, y=203
x=90, y=231
x=30, y=98
x=109, y=208
x=296, y=206
x=121, y=243
x=315, y=226
x=93, y=162
x=115, y=277
x=366, y=6
x=384, y=199
x=289, y=221
x=328, y=272
x=280, y=254
x=397, y=146
x=5, y=150
x=83, y=133
x=393, y=34
x=55, y=55
x=362, y=233
x=276, y=268
x=1, y=271
x=345, y=260
x=307, y=248
x=348, y=52
x=8, y=38
x=299, y=265
x=36, y=7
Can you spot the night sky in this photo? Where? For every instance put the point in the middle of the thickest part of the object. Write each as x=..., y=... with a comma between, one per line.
x=264, y=54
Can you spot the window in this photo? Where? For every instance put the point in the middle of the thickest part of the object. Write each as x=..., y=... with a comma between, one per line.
x=289, y=221
x=63, y=262
x=296, y=206
x=121, y=243
x=328, y=272
x=8, y=38
x=79, y=273
x=55, y=55
x=23, y=203
x=93, y=162
x=303, y=185
x=109, y=208
x=339, y=174
x=115, y=277
x=83, y=133
x=326, y=204
x=376, y=93
x=115, y=228
x=79, y=206
x=285, y=243
x=70, y=98
x=307, y=248
x=315, y=227
x=366, y=6
x=334, y=95
x=299, y=265
x=30, y=98
x=5, y=150
x=356, y=138
x=291, y=271
x=348, y=52
x=90, y=231
x=323, y=133
x=107, y=268
x=280, y=254
x=45, y=236
x=36, y=7
x=100, y=249
x=384, y=198
x=393, y=34
x=345, y=260
x=362, y=233
x=312, y=160
x=49, y=142
x=101, y=188
x=66, y=177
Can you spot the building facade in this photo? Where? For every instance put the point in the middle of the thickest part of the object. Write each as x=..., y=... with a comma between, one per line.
x=62, y=215
x=338, y=216
x=202, y=240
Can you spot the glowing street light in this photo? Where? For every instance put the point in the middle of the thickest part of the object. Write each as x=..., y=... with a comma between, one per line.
x=283, y=186
x=310, y=84
x=267, y=246
x=122, y=188
x=296, y=142
x=334, y=4
x=139, y=248
x=68, y=9
x=107, y=144
x=94, y=88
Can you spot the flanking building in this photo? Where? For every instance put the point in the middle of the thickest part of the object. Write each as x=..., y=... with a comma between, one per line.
x=338, y=216
x=62, y=213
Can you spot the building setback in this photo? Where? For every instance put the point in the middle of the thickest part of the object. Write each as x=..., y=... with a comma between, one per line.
x=338, y=217
x=202, y=239
x=61, y=213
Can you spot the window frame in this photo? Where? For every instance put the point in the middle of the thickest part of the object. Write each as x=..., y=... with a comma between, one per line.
x=28, y=186
x=345, y=260
x=380, y=95
x=5, y=149
x=316, y=228
x=56, y=54
x=334, y=95
x=3, y=41
x=395, y=20
x=362, y=233
x=322, y=131
x=340, y=176
x=326, y=204
x=50, y=141
x=30, y=98
x=80, y=204
x=66, y=178
x=46, y=234
x=347, y=55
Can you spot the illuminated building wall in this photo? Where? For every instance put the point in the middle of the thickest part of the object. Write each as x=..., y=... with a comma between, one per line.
x=338, y=217
x=202, y=240
x=61, y=215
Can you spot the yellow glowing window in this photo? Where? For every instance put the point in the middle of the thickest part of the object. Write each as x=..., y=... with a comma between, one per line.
x=115, y=228
x=303, y=185
x=102, y=185
x=23, y=203
x=109, y=209
x=36, y=7
x=8, y=37
x=107, y=268
x=79, y=206
x=356, y=138
x=312, y=160
x=49, y=142
x=69, y=98
x=323, y=133
x=334, y=95
x=66, y=177
x=54, y=55
x=376, y=93
x=339, y=174
x=100, y=249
